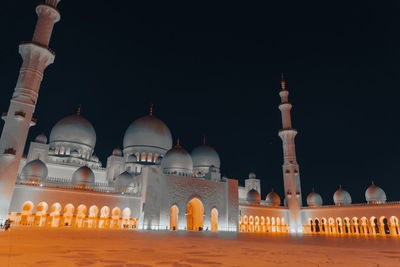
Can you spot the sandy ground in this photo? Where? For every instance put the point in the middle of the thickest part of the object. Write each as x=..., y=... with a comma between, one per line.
x=69, y=247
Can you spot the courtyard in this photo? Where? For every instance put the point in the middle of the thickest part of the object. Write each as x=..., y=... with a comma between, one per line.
x=114, y=248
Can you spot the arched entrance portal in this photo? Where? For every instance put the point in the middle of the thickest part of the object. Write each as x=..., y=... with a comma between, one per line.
x=195, y=212
x=173, y=218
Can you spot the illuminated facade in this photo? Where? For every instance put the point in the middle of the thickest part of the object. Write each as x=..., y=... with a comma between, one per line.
x=151, y=184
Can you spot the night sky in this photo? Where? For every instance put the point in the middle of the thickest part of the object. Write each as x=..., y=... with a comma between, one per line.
x=213, y=68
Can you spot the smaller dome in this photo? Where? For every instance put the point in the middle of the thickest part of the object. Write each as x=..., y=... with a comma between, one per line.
x=253, y=197
x=117, y=152
x=273, y=199
x=83, y=176
x=205, y=156
x=341, y=197
x=35, y=169
x=252, y=175
x=375, y=194
x=131, y=158
x=314, y=199
x=74, y=129
x=124, y=181
x=41, y=138
x=177, y=160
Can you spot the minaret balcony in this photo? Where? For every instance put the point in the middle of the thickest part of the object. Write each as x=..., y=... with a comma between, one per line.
x=39, y=45
x=19, y=115
x=10, y=151
x=32, y=122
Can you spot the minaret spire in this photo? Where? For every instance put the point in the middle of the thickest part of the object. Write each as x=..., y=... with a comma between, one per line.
x=151, y=110
x=78, y=112
x=36, y=56
x=291, y=174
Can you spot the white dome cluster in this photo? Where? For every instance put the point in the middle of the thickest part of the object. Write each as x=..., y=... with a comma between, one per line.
x=253, y=197
x=205, y=156
x=341, y=197
x=41, y=138
x=73, y=129
x=314, y=199
x=147, y=137
x=177, y=161
x=375, y=195
x=273, y=199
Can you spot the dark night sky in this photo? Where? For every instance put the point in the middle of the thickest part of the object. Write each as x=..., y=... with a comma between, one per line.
x=214, y=69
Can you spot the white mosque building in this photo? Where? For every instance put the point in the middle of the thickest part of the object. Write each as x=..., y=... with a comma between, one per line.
x=151, y=183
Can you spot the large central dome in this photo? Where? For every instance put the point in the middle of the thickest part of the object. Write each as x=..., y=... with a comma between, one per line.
x=74, y=129
x=148, y=131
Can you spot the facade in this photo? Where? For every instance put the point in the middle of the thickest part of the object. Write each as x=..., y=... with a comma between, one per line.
x=151, y=183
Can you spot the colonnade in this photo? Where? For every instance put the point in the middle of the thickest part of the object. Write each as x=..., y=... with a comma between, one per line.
x=69, y=216
x=261, y=224
x=372, y=226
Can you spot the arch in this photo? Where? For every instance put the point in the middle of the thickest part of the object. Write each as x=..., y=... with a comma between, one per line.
x=155, y=158
x=324, y=225
x=68, y=214
x=115, y=215
x=384, y=225
x=42, y=208
x=317, y=225
x=104, y=214
x=310, y=225
x=55, y=214
x=80, y=215
x=143, y=159
x=214, y=220
x=26, y=213
x=374, y=225
x=394, y=225
x=27, y=207
x=339, y=225
x=355, y=228
x=364, y=225
x=137, y=156
x=331, y=223
x=93, y=211
x=273, y=224
x=149, y=157
x=173, y=218
x=262, y=220
x=126, y=217
x=245, y=219
x=195, y=213
x=347, y=228
x=41, y=212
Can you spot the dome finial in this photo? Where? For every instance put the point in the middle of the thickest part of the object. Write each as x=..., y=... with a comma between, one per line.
x=178, y=143
x=151, y=110
x=283, y=83
x=78, y=112
x=340, y=186
x=204, y=139
x=272, y=189
x=373, y=182
x=313, y=190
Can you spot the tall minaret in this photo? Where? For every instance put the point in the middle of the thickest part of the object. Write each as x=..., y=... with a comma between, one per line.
x=36, y=57
x=291, y=174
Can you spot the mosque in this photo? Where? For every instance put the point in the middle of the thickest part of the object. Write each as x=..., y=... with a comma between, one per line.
x=150, y=183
